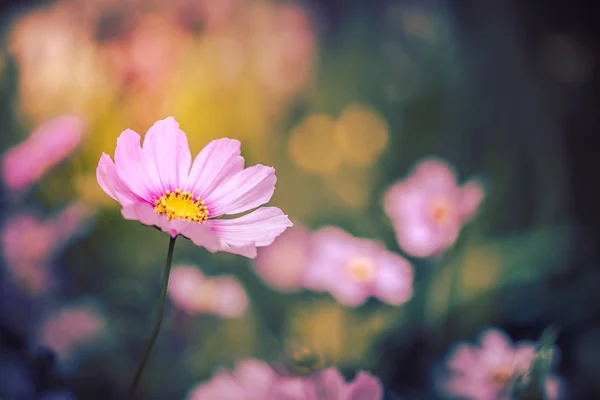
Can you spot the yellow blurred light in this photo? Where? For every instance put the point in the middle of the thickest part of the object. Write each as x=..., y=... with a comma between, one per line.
x=335, y=333
x=480, y=270
x=59, y=69
x=362, y=134
x=312, y=145
x=352, y=185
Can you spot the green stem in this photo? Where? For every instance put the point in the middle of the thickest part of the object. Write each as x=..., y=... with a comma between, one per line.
x=158, y=321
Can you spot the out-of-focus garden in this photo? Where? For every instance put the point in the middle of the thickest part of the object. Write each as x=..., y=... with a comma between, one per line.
x=437, y=159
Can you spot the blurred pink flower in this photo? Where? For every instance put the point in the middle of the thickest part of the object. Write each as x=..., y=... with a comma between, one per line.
x=484, y=371
x=149, y=54
x=158, y=185
x=286, y=50
x=70, y=328
x=49, y=145
x=30, y=245
x=429, y=208
x=193, y=292
x=328, y=384
x=283, y=264
x=353, y=269
x=250, y=380
x=254, y=380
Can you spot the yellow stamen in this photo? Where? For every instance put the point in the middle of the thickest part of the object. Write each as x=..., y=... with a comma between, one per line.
x=361, y=269
x=181, y=205
x=501, y=377
x=440, y=212
x=305, y=361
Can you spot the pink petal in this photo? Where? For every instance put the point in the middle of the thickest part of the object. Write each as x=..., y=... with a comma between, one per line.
x=329, y=252
x=364, y=387
x=256, y=229
x=472, y=195
x=256, y=377
x=555, y=388
x=496, y=349
x=289, y=389
x=111, y=184
x=283, y=263
x=434, y=172
x=247, y=189
x=231, y=301
x=184, y=284
x=328, y=384
x=524, y=354
x=464, y=386
x=463, y=358
x=49, y=145
x=166, y=147
x=495, y=339
x=350, y=293
x=134, y=169
x=419, y=240
x=221, y=387
x=218, y=161
x=394, y=279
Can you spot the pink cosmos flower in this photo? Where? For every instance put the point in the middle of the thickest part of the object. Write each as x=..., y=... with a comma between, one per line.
x=256, y=380
x=71, y=327
x=429, y=208
x=49, y=145
x=193, y=292
x=484, y=371
x=353, y=269
x=30, y=245
x=283, y=264
x=159, y=185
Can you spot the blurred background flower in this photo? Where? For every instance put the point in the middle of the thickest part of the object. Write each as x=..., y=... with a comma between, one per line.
x=456, y=139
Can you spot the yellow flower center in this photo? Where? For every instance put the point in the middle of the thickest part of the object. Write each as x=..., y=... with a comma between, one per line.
x=440, y=212
x=501, y=377
x=361, y=269
x=305, y=361
x=181, y=205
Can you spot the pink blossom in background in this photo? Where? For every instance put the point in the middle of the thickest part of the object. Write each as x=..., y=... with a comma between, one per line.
x=49, y=145
x=255, y=380
x=328, y=384
x=194, y=292
x=231, y=300
x=185, y=282
x=483, y=371
x=70, y=328
x=285, y=50
x=29, y=245
x=250, y=380
x=429, y=208
x=146, y=57
x=159, y=185
x=283, y=264
x=353, y=269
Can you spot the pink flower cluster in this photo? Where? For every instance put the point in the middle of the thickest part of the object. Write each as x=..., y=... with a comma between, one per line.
x=253, y=380
x=194, y=292
x=429, y=208
x=331, y=260
x=485, y=370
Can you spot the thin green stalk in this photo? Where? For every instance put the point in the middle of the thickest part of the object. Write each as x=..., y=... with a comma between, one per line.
x=157, y=323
